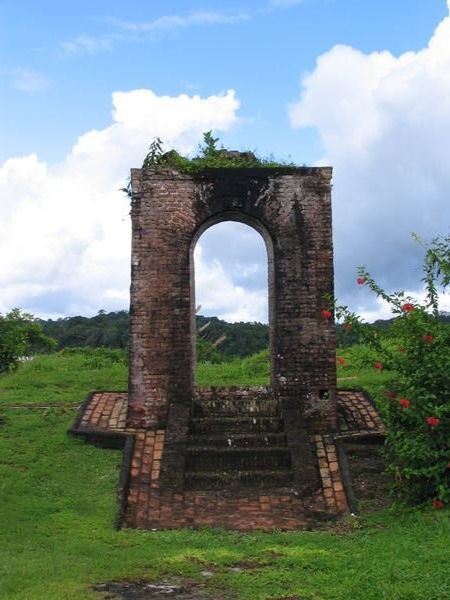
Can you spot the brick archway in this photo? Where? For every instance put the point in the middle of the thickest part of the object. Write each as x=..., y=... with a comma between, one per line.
x=291, y=208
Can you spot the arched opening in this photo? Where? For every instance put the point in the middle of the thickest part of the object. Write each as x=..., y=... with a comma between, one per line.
x=231, y=279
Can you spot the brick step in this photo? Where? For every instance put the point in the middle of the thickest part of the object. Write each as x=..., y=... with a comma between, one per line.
x=239, y=459
x=237, y=440
x=232, y=480
x=230, y=425
x=236, y=406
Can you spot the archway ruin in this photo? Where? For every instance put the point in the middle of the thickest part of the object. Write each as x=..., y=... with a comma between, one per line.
x=291, y=208
x=242, y=458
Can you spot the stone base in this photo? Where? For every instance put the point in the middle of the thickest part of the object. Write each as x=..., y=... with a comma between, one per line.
x=145, y=504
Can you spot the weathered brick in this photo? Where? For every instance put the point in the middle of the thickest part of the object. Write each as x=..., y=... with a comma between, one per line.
x=291, y=209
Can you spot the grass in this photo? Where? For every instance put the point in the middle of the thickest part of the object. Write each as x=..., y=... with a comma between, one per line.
x=61, y=378
x=358, y=372
x=68, y=377
x=253, y=370
x=228, y=374
x=58, y=505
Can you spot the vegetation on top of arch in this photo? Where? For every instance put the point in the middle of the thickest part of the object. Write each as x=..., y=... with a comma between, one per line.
x=210, y=156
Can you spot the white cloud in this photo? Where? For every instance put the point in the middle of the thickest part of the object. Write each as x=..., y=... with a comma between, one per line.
x=384, y=123
x=26, y=80
x=173, y=22
x=220, y=296
x=152, y=29
x=87, y=44
x=159, y=27
x=64, y=228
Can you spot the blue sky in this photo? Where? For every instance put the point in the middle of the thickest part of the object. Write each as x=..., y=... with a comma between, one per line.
x=261, y=54
x=311, y=79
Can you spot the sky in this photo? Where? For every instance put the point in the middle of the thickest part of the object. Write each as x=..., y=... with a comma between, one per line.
x=362, y=85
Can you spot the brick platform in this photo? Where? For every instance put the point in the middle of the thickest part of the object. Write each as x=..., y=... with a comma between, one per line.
x=357, y=416
x=145, y=505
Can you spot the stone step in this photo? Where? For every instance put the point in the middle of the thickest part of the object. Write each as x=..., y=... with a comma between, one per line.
x=237, y=440
x=237, y=459
x=230, y=425
x=235, y=406
x=232, y=480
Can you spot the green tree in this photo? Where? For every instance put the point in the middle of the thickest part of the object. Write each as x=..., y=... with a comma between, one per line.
x=20, y=335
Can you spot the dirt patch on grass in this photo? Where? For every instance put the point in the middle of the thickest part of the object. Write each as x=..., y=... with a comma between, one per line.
x=247, y=565
x=143, y=590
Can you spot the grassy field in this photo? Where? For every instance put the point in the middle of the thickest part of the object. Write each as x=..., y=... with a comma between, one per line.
x=57, y=498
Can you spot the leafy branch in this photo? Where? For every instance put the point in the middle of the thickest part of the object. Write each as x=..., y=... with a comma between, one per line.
x=436, y=266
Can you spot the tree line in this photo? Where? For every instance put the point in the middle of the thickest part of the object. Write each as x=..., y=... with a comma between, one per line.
x=22, y=335
x=111, y=330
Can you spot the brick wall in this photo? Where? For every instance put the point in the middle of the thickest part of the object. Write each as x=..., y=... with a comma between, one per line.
x=292, y=211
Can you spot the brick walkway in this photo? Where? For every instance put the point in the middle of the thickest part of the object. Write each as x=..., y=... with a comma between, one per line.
x=147, y=506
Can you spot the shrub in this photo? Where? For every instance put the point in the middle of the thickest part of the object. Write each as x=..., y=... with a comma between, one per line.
x=417, y=407
x=358, y=357
x=20, y=336
x=417, y=413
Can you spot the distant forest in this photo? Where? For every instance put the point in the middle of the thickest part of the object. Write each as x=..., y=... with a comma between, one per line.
x=111, y=330
x=235, y=339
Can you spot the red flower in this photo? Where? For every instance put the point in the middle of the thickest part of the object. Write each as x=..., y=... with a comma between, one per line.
x=428, y=339
x=326, y=314
x=341, y=360
x=346, y=326
x=438, y=504
x=402, y=349
x=378, y=365
x=361, y=281
x=407, y=307
x=432, y=421
x=404, y=402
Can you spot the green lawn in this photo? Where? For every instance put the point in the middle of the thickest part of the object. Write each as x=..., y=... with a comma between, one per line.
x=60, y=378
x=57, y=498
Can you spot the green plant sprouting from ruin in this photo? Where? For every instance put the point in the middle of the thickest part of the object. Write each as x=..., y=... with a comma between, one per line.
x=209, y=156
